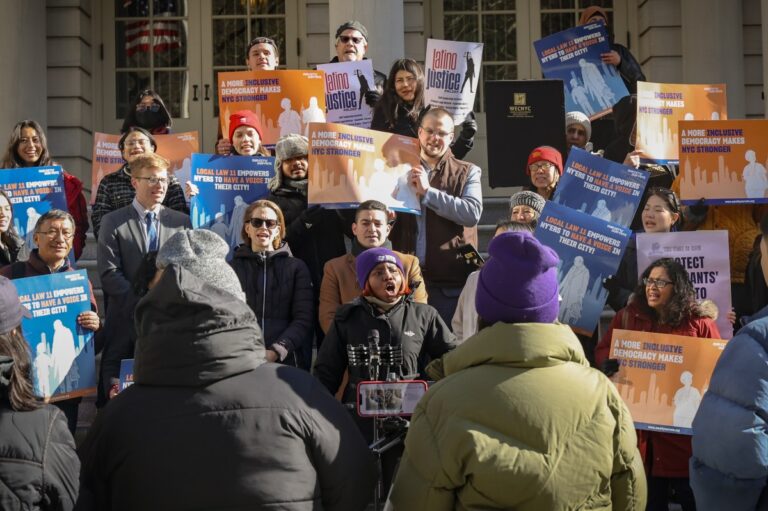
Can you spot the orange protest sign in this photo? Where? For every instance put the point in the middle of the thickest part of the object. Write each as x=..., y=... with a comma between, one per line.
x=724, y=161
x=176, y=147
x=285, y=102
x=349, y=165
x=661, y=105
x=662, y=377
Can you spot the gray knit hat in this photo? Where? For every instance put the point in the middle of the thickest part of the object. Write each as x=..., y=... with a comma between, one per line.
x=354, y=25
x=203, y=253
x=288, y=146
x=525, y=198
x=577, y=117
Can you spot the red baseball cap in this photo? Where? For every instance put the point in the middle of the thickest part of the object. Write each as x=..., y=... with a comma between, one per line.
x=545, y=153
x=244, y=118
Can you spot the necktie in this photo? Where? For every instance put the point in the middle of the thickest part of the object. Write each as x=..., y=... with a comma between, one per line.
x=152, y=240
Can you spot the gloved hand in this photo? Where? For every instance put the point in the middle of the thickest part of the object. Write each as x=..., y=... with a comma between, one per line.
x=372, y=97
x=610, y=366
x=312, y=215
x=469, y=126
x=699, y=209
x=611, y=284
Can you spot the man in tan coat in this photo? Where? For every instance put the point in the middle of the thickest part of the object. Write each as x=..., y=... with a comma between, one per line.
x=339, y=286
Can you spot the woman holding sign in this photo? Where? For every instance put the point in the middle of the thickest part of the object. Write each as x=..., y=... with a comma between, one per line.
x=664, y=302
x=28, y=147
x=402, y=105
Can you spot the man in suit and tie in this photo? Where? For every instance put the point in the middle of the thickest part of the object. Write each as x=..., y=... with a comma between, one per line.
x=129, y=238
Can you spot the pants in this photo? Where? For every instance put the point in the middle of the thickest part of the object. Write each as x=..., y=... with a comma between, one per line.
x=70, y=408
x=659, y=489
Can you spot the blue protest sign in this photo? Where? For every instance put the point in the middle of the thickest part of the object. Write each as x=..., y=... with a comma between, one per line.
x=126, y=374
x=601, y=188
x=33, y=191
x=590, y=250
x=63, y=363
x=573, y=56
x=227, y=184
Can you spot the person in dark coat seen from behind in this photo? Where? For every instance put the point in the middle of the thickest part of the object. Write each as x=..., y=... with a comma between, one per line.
x=208, y=423
x=38, y=462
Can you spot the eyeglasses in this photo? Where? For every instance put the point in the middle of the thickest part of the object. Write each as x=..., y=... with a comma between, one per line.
x=542, y=165
x=439, y=134
x=154, y=107
x=154, y=181
x=659, y=283
x=52, y=234
x=137, y=142
x=258, y=222
x=346, y=38
x=669, y=194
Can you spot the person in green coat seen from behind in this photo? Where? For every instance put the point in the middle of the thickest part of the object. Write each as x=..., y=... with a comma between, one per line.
x=518, y=419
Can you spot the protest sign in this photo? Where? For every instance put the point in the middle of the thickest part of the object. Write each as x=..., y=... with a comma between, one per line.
x=704, y=255
x=126, y=374
x=349, y=165
x=601, y=188
x=452, y=70
x=345, y=86
x=661, y=105
x=573, y=56
x=724, y=161
x=175, y=147
x=285, y=102
x=227, y=185
x=531, y=109
x=63, y=364
x=33, y=191
x=590, y=250
x=662, y=377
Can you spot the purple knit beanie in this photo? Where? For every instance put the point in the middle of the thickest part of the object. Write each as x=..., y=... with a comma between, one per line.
x=518, y=283
x=368, y=260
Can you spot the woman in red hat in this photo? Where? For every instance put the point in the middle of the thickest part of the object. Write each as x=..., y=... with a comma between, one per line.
x=545, y=166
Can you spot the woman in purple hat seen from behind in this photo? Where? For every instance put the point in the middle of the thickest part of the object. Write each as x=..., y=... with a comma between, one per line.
x=518, y=419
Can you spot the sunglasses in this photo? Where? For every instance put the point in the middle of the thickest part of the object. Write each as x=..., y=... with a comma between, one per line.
x=258, y=222
x=346, y=38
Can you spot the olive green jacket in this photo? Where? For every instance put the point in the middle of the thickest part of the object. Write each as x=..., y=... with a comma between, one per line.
x=520, y=421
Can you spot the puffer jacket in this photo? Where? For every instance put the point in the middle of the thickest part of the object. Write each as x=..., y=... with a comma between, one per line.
x=520, y=421
x=416, y=326
x=38, y=463
x=669, y=452
x=279, y=290
x=729, y=467
x=209, y=425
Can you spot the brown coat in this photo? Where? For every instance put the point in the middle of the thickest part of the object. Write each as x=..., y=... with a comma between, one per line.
x=340, y=286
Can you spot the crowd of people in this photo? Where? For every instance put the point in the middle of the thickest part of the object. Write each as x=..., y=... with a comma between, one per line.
x=244, y=396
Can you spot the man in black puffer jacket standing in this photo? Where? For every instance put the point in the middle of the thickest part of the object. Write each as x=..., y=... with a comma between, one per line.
x=208, y=423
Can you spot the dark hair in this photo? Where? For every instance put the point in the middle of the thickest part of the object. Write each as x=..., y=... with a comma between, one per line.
x=682, y=305
x=764, y=225
x=54, y=214
x=263, y=40
x=137, y=129
x=11, y=157
x=130, y=116
x=263, y=203
x=9, y=238
x=371, y=205
x=512, y=226
x=390, y=102
x=20, y=391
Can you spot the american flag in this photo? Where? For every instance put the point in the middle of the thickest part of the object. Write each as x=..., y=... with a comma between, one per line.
x=158, y=35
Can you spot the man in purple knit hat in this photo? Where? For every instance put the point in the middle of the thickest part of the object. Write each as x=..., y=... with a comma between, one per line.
x=518, y=419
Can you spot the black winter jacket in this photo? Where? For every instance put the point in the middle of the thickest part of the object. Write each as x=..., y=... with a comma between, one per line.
x=278, y=289
x=416, y=326
x=38, y=463
x=315, y=237
x=209, y=425
x=629, y=68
